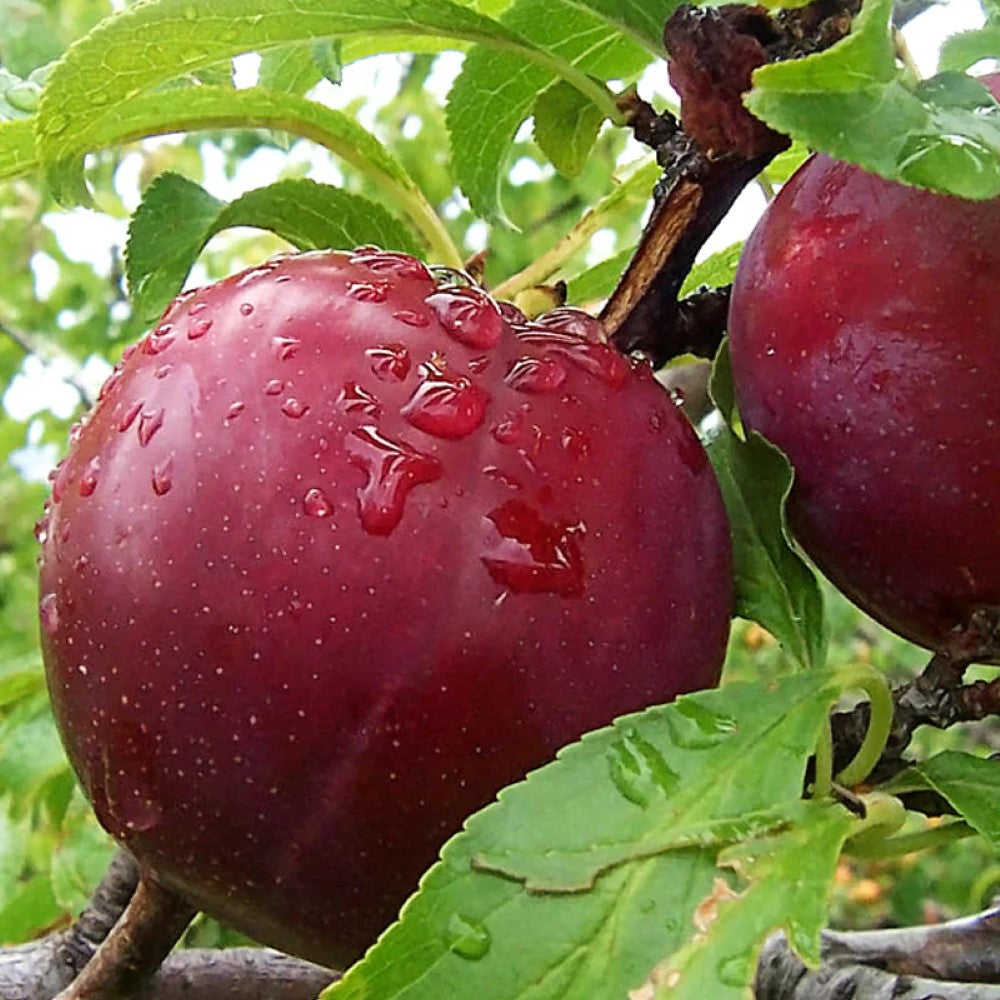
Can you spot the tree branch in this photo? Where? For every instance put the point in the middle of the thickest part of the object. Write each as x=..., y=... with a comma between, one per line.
x=136, y=946
x=950, y=961
x=707, y=160
x=41, y=969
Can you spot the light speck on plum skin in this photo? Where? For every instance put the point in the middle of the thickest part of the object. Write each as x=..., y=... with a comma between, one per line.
x=354, y=583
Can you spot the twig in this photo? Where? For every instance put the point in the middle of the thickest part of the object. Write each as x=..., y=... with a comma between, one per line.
x=41, y=969
x=236, y=974
x=136, y=946
x=707, y=162
x=950, y=961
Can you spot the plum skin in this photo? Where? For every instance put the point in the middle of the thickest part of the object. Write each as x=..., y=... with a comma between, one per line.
x=283, y=695
x=864, y=324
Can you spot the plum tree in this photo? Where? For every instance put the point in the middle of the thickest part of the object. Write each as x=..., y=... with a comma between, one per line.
x=345, y=548
x=863, y=325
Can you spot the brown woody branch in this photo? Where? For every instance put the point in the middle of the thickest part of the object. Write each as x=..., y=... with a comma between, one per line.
x=65, y=960
x=950, y=961
x=707, y=159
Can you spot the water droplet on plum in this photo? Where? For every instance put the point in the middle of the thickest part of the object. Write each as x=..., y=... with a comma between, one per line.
x=294, y=408
x=597, y=359
x=382, y=262
x=529, y=555
x=468, y=316
x=163, y=371
x=354, y=398
x=198, y=328
x=362, y=291
x=503, y=478
x=274, y=387
x=49, y=614
x=317, y=504
x=575, y=442
x=58, y=477
x=536, y=375
x=150, y=421
x=285, y=348
x=446, y=408
x=89, y=479
x=128, y=417
x=511, y=313
x=509, y=428
x=163, y=477
x=411, y=318
x=159, y=340
x=390, y=363
x=393, y=469
x=576, y=322
x=236, y=409
x=246, y=308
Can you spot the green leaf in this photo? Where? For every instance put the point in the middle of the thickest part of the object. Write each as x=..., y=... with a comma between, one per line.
x=715, y=270
x=642, y=19
x=788, y=878
x=79, y=861
x=29, y=37
x=177, y=218
x=31, y=909
x=774, y=585
x=508, y=85
x=599, y=281
x=218, y=107
x=17, y=148
x=30, y=749
x=148, y=44
x=970, y=784
x=851, y=102
x=617, y=840
x=959, y=52
x=207, y=107
x=13, y=850
x=20, y=678
x=328, y=56
x=566, y=126
x=289, y=70
x=218, y=74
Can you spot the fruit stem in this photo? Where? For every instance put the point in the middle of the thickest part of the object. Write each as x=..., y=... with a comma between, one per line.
x=823, y=781
x=875, y=686
x=439, y=242
x=892, y=847
x=151, y=925
x=905, y=56
x=637, y=185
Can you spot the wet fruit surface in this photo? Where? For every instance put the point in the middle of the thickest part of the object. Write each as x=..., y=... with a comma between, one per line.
x=366, y=552
x=864, y=328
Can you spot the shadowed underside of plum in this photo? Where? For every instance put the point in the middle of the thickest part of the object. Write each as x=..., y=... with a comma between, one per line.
x=342, y=551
